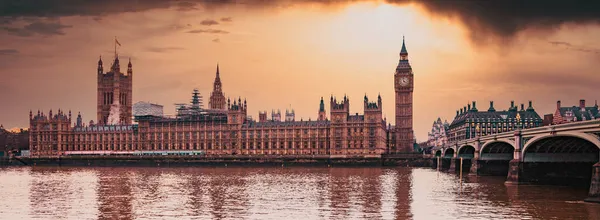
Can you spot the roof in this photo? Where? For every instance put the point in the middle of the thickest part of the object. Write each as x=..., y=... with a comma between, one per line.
x=497, y=115
x=589, y=113
x=285, y=124
x=403, y=50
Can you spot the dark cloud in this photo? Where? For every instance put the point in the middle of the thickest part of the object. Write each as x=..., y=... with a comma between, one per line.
x=163, y=49
x=483, y=18
x=506, y=18
x=216, y=40
x=227, y=19
x=208, y=31
x=39, y=27
x=8, y=52
x=570, y=46
x=209, y=22
x=186, y=6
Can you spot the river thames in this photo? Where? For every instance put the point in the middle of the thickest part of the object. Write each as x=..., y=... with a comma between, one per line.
x=277, y=193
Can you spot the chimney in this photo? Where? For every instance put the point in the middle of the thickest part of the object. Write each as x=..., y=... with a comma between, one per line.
x=465, y=109
x=474, y=108
x=512, y=104
x=491, y=109
x=530, y=108
x=582, y=104
x=558, y=104
x=461, y=111
x=522, y=107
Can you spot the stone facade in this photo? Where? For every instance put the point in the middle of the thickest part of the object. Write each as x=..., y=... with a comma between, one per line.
x=217, y=133
x=115, y=89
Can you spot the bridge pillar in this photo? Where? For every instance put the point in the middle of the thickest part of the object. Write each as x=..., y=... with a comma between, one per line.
x=474, y=170
x=515, y=171
x=515, y=166
x=594, y=194
x=452, y=165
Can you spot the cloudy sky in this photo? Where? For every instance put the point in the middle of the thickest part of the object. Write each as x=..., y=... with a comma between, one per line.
x=285, y=53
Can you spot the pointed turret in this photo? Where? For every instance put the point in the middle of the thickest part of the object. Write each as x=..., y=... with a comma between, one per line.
x=403, y=51
x=100, y=67
x=217, y=98
x=116, y=67
x=129, y=67
x=322, y=105
x=403, y=64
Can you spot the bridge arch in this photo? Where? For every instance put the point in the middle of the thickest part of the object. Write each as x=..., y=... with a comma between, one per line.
x=565, y=147
x=449, y=153
x=466, y=151
x=497, y=150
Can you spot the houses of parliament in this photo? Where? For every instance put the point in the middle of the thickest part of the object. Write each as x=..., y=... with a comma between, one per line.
x=224, y=126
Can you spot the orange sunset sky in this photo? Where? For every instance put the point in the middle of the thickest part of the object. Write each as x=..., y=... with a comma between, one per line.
x=291, y=53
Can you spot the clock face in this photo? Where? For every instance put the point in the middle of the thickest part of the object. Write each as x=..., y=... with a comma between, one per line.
x=403, y=81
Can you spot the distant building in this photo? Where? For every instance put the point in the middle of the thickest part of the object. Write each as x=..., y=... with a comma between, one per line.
x=146, y=108
x=437, y=137
x=470, y=122
x=576, y=113
x=13, y=140
x=548, y=118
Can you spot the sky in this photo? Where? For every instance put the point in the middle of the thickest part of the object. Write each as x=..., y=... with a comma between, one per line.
x=286, y=54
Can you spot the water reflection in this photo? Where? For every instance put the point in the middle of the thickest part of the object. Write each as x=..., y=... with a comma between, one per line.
x=277, y=193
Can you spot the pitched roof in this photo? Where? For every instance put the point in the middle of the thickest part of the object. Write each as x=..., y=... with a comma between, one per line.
x=589, y=113
x=497, y=115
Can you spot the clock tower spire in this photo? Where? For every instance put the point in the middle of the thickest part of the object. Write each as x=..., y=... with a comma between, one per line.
x=404, y=84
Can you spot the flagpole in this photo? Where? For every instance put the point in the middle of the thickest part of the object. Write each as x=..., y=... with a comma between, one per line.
x=115, y=47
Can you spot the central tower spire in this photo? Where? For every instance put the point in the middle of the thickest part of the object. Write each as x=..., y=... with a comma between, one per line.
x=217, y=98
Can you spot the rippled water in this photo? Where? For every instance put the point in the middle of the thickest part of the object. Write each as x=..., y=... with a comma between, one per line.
x=277, y=193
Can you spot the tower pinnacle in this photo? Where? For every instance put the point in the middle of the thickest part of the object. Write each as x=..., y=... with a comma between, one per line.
x=403, y=50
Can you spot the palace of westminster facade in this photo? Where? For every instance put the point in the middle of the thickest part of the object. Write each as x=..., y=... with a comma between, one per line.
x=224, y=127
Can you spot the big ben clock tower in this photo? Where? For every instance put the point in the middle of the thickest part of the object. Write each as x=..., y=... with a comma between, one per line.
x=404, y=84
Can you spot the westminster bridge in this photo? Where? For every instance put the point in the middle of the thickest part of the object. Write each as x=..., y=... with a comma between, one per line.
x=556, y=154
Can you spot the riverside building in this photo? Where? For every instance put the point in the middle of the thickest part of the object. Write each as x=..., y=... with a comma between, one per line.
x=224, y=127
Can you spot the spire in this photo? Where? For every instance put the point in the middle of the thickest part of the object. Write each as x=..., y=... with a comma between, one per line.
x=403, y=50
x=129, y=64
x=322, y=105
x=217, y=83
x=100, y=68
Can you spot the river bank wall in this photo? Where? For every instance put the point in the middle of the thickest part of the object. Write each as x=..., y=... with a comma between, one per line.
x=222, y=160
